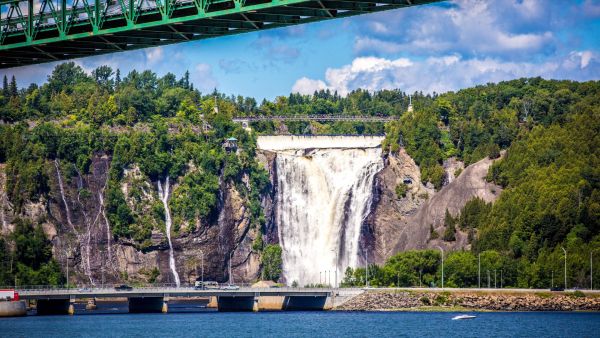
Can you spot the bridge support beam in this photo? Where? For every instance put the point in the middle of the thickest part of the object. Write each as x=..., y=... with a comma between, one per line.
x=236, y=304
x=304, y=303
x=46, y=307
x=147, y=305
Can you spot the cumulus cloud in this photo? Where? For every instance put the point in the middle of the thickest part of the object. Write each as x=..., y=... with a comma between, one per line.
x=444, y=73
x=154, y=55
x=511, y=29
x=203, y=78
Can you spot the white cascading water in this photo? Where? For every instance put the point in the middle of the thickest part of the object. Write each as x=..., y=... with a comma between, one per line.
x=324, y=192
x=163, y=194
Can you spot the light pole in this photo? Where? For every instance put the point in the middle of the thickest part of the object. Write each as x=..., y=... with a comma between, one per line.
x=336, y=267
x=442, y=250
x=591, y=271
x=202, y=264
x=479, y=270
x=565, y=251
x=230, y=276
x=366, y=269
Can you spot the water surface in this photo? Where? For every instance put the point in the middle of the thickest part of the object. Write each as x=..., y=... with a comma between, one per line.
x=305, y=324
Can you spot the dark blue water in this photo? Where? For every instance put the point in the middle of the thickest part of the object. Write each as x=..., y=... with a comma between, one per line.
x=305, y=324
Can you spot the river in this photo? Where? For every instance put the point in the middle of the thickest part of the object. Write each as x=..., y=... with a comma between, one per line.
x=306, y=324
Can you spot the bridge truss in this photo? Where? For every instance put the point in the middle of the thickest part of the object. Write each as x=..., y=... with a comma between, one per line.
x=321, y=118
x=37, y=31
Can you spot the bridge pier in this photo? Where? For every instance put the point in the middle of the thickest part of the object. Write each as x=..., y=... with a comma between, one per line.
x=46, y=307
x=235, y=304
x=147, y=305
x=304, y=303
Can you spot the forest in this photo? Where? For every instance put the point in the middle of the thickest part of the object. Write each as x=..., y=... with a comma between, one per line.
x=547, y=133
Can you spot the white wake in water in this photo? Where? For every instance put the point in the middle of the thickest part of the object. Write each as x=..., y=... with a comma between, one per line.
x=163, y=194
x=323, y=196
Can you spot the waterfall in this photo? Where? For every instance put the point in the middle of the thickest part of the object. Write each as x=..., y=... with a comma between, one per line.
x=324, y=190
x=62, y=194
x=163, y=194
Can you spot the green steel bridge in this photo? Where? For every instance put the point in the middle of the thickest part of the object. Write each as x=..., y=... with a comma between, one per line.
x=37, y=31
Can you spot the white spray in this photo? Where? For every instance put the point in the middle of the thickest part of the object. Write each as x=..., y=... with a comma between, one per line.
x=163, y=194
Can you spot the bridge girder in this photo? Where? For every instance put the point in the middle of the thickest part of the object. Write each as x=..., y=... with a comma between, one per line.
x=66, y=29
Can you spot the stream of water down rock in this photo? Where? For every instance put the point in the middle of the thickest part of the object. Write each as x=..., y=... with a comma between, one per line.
x=324, y=188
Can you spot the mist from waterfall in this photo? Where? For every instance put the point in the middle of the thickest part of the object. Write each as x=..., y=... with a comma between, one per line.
x=324, y=190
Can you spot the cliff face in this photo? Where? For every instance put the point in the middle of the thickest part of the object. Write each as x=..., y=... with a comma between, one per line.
x=400, y=224
x=73, y=217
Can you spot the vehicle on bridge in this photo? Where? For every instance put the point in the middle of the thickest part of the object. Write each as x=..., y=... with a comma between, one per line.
x=200, y=285
x=230, y=287
x=123, y=287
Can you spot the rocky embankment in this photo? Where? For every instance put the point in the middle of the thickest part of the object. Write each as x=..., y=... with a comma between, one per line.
x=504, y=301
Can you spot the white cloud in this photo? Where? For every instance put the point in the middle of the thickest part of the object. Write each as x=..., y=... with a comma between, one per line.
x=307, y=86
x=154, y=55
x=203, y=78
x=507, y=29
x=444, y=73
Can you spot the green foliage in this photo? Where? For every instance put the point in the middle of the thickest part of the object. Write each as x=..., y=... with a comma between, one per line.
x=401, y=190
x=28, y=261
x=450, y=232
x=271, y=262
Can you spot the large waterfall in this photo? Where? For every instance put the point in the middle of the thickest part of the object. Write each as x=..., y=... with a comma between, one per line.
x=324, y=191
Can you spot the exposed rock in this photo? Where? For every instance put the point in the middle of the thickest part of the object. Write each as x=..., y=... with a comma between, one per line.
x=501, y=301
x=403, y=224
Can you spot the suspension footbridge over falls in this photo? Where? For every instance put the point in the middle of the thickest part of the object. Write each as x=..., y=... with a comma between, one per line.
x=37, y=31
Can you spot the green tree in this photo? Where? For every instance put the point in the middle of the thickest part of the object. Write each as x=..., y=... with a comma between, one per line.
x=271, y=262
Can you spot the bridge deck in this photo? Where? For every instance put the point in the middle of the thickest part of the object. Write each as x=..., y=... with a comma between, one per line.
x=66, y=29
x=170, y=292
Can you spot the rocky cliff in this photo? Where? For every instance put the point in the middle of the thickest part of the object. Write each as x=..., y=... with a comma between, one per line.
x=403, y=223
x=74, y=218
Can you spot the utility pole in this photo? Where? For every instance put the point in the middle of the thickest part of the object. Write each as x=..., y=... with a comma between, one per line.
x=501, y=279
x=565, y=251
x=488, y=273
x=552, y=280
x=420, y=272
x=479, y=270
x=442, y=250
x=398, y=282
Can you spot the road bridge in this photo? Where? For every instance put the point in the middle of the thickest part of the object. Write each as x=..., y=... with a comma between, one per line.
x=155, y=299
x=37, y=31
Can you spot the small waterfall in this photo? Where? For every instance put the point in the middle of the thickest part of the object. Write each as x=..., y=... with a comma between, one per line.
x=62, y=193
x=323, y=194
x=83, y=240
x=108, y=232
x=163, y=194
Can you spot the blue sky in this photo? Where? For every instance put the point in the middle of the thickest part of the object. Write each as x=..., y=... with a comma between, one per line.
x=441, y=47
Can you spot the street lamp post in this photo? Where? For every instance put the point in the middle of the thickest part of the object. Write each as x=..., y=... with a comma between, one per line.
x=479, y=270
x=366, y=269
x=565, y=251
x=230, y=276
x=336, y=267
x=442, y=250
x=591, y=271
x=202, y=264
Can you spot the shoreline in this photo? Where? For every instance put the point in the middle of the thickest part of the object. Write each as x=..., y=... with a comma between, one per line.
x=471, y=301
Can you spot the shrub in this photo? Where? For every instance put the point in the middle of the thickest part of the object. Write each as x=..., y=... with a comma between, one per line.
x=401, y=190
